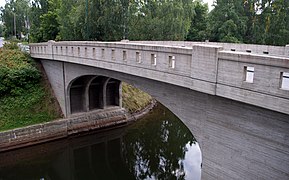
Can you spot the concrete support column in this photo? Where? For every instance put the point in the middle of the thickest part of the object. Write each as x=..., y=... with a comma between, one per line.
x=120, y=94
x=104, y=92
x=86, y=94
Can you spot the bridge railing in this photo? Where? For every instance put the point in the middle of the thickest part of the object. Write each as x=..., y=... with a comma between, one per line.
x=255, y=79
x=248, y=48
x=259, y=79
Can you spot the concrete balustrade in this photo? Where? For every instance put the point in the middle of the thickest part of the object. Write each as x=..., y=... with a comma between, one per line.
x=204, y=67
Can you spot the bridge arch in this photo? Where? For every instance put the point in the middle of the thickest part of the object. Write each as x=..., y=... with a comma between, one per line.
x=91, y=92
x=206, y=90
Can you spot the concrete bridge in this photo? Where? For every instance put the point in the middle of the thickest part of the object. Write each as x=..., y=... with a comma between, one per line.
x=234, y=98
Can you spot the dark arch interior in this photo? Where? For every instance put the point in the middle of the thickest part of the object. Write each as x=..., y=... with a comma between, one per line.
x=77, y=97
x=91, y=92
x=112, y=92
x=96, y=93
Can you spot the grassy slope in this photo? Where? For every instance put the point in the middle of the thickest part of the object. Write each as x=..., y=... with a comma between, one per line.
x=35, y=104
x=27, y=102
x=133, y=98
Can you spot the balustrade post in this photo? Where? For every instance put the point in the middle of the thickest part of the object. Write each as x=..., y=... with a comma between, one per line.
x=49, y=50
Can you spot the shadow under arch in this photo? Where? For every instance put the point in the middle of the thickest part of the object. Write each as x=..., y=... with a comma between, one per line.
x=95, y=92
x=90, y=92
x=113, y=92
x=164, y=93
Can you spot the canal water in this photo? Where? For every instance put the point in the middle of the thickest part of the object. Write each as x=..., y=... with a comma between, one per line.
x=159, y=146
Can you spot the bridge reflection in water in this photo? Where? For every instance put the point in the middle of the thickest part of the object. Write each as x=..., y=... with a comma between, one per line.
x=157, y=147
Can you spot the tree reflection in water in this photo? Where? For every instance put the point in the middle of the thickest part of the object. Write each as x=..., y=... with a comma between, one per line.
x=161, y=147
x=158, y=146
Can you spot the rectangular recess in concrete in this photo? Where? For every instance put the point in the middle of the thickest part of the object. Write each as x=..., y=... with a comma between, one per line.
x=113, y=54
x=124, y=55
x=172, y=62
x=85, y=51
x=154, y=59
x=138, y=57
x=248, y=74
x=284, y=80
x=102, y=53
x=93, y=53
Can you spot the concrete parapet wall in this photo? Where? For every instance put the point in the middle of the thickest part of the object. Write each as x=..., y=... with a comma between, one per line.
x=253, y=48
x=206, y=68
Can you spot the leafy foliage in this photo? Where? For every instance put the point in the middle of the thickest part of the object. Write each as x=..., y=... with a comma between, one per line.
x=16, y=71
x=243, y=21
x=156, y=146
x=32, y=106
x=24, y=100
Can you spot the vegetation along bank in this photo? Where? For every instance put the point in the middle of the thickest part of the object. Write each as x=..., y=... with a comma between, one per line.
x=28, y=109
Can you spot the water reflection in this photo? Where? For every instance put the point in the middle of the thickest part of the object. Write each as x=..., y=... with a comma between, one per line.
x=157, y=147
x=161, y=148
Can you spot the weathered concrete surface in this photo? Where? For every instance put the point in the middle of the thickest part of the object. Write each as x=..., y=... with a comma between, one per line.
x=238, y=141
x=62, y=128
x=208, y=68
x=253, y=48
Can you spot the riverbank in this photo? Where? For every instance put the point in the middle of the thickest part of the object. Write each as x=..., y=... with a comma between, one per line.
x=62, y=128
x=25, y=98
x=28, y=109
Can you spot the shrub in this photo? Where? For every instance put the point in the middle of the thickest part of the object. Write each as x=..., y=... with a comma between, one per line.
x=17, y=72
x=11, y=45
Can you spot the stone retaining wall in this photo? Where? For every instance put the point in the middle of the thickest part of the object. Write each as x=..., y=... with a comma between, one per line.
x=62, y=128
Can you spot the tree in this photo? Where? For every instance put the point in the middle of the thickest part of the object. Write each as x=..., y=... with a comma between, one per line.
x=1, y=30
x=198, y=30
x=38, y=8
x=228, y=21
x=160, y=20
x=49, y=26
x=276, y=16
x=15, y=17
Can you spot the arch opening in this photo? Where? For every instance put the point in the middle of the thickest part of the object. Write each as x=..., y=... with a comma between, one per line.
x=112, y=92
x=91, y=92
x=77, y=95
x=96, y=93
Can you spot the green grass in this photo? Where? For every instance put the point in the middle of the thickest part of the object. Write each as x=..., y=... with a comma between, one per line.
x=25, y=97
x=134, y=99
x=33, y=106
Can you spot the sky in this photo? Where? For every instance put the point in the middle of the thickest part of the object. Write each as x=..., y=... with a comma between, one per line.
x=210, y=2
x=2, y=3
